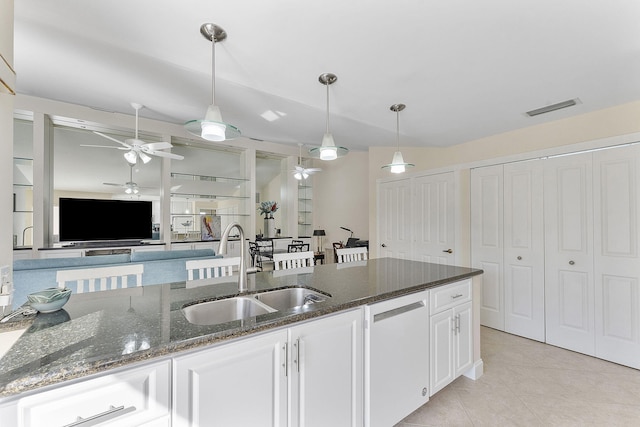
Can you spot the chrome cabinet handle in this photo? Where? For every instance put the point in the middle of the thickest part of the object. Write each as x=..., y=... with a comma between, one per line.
x=456, y=296
x=571, y=262
x=449, y=251
x=112, y=412
x=285, y=365
x=397, y=311
x=296, y=360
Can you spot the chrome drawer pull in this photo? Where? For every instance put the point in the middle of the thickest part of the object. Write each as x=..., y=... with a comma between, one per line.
x=397, y=311
x=111, y=413
x=457, y=296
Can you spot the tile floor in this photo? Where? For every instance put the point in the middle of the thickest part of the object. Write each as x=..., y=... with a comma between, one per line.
x=527, y=383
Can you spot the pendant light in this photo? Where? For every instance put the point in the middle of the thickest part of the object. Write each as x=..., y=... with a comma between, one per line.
x=328, y=150
x=212, y=128
x=398, y=164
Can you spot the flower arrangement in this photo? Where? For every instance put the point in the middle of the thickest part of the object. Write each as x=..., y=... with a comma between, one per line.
x=268, y=208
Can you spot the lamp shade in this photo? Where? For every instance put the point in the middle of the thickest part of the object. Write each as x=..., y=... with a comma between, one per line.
x=319, y=233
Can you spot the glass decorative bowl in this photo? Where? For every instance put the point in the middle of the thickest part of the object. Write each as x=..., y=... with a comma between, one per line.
x=49, y=300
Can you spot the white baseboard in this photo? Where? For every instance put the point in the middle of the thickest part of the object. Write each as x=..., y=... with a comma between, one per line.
x=476, y=370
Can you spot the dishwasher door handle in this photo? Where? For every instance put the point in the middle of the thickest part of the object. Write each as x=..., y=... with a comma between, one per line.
x=398, y=311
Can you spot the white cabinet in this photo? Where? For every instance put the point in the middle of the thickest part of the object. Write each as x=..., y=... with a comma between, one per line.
x=241, y=383
x=325, y=377
x=132, y=397
x=451, y=330
x=396, y=358
x=307, y=375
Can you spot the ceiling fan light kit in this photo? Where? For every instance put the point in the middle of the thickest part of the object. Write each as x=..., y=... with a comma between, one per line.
x=397, y=165
x=328, y=150
x=212, y=127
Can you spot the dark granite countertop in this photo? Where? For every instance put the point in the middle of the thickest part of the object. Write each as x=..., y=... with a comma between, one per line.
x=98, y=331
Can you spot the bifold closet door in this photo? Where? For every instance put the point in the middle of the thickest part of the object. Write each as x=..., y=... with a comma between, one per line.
x=486, y=241
x=524, y=249
x=433, y=218
x=568, y=223
x=617, y=264
x=394, y=219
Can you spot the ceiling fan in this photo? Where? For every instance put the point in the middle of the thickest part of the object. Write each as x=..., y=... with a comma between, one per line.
x=300, y=172
x=136, y=148
x=130, y=187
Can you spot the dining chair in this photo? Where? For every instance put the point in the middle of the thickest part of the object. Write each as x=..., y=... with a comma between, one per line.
x=104, y=277
x=212, y=267
x=336, y=245
x=298, y=247
x=351, y=254
x=291, y=260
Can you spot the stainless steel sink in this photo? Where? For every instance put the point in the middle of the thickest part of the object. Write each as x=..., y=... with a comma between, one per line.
x=284, y=299
x=225, y=310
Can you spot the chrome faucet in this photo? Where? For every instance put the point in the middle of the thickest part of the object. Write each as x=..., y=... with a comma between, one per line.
x=222, y=249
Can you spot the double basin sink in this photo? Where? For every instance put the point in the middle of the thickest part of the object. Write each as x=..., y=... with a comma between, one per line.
x=247, y=306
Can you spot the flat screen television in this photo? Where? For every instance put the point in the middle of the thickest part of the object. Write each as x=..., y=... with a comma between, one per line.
x=82, y=220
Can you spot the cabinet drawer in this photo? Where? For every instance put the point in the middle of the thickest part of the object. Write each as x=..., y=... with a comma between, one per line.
x=447, y=296
x=132, y=397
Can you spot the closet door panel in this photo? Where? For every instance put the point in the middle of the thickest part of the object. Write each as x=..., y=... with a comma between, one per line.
x=394, y=219
x=487, y=241
x=524, y=249
x=617, y=263
x=568, y=222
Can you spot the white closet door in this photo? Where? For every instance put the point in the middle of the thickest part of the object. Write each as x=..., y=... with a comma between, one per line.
x=524, y=249
x=394, y=219
x=434, y=218
x=617, y=263
x=569, y=286
x=486, y=241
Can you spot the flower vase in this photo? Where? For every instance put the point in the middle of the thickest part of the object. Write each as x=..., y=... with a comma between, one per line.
x=270, y=227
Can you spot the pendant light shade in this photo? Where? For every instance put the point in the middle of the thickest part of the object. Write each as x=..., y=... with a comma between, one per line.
x=328, y=150
x=212, y=127
x=397, y=165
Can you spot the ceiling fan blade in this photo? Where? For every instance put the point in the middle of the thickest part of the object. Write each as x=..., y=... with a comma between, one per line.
x=165, y=154
x=113, y=139
x=104, y=146
x=312, y=170
x=112, y=184
x=155, y=146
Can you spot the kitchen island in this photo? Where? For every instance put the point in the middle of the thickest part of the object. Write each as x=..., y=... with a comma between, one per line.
x=99, y=332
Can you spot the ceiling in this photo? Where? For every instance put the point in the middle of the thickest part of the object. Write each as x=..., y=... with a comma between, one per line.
x=466, y=69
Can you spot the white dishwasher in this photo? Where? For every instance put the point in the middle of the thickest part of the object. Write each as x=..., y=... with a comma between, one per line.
x=396, y=358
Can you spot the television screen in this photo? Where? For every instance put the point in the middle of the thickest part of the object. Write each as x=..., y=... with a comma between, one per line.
x=97, y=219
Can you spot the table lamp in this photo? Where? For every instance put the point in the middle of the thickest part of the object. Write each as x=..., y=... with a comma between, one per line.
x=319, y=234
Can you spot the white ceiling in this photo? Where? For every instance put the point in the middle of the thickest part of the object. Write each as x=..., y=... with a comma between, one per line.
x=465, y=68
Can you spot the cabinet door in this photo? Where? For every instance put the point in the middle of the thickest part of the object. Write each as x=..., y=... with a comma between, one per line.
x=325, y=382
x=442, y=370
x=396, y=358
x=433, y=219
x=237, y=384
x=524, y=249
x=486, y=241
x=617, y=264
x=394, y=219
x=568, y=221
x=463, y=338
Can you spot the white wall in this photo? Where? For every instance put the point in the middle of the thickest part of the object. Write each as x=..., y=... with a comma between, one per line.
x=340, y=197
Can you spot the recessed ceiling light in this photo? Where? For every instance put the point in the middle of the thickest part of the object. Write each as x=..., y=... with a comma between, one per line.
x=553, y=107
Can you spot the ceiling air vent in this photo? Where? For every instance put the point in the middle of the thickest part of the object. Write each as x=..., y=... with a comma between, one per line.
x=553, y=107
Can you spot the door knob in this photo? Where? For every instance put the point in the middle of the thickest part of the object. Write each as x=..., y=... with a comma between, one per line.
x=449, y=251
x=383, y=245
x=519, y=258
x=571, y=262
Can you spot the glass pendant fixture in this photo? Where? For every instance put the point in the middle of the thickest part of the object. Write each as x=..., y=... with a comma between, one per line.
x=328, y=150
x=397, y=165
x=212, y=128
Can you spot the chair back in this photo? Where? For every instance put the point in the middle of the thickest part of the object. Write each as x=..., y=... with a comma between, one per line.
x=298, y=247
x=208, y=268
x=104, y=277
x=351, y=254
x=290, y=260
x=336, y=245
